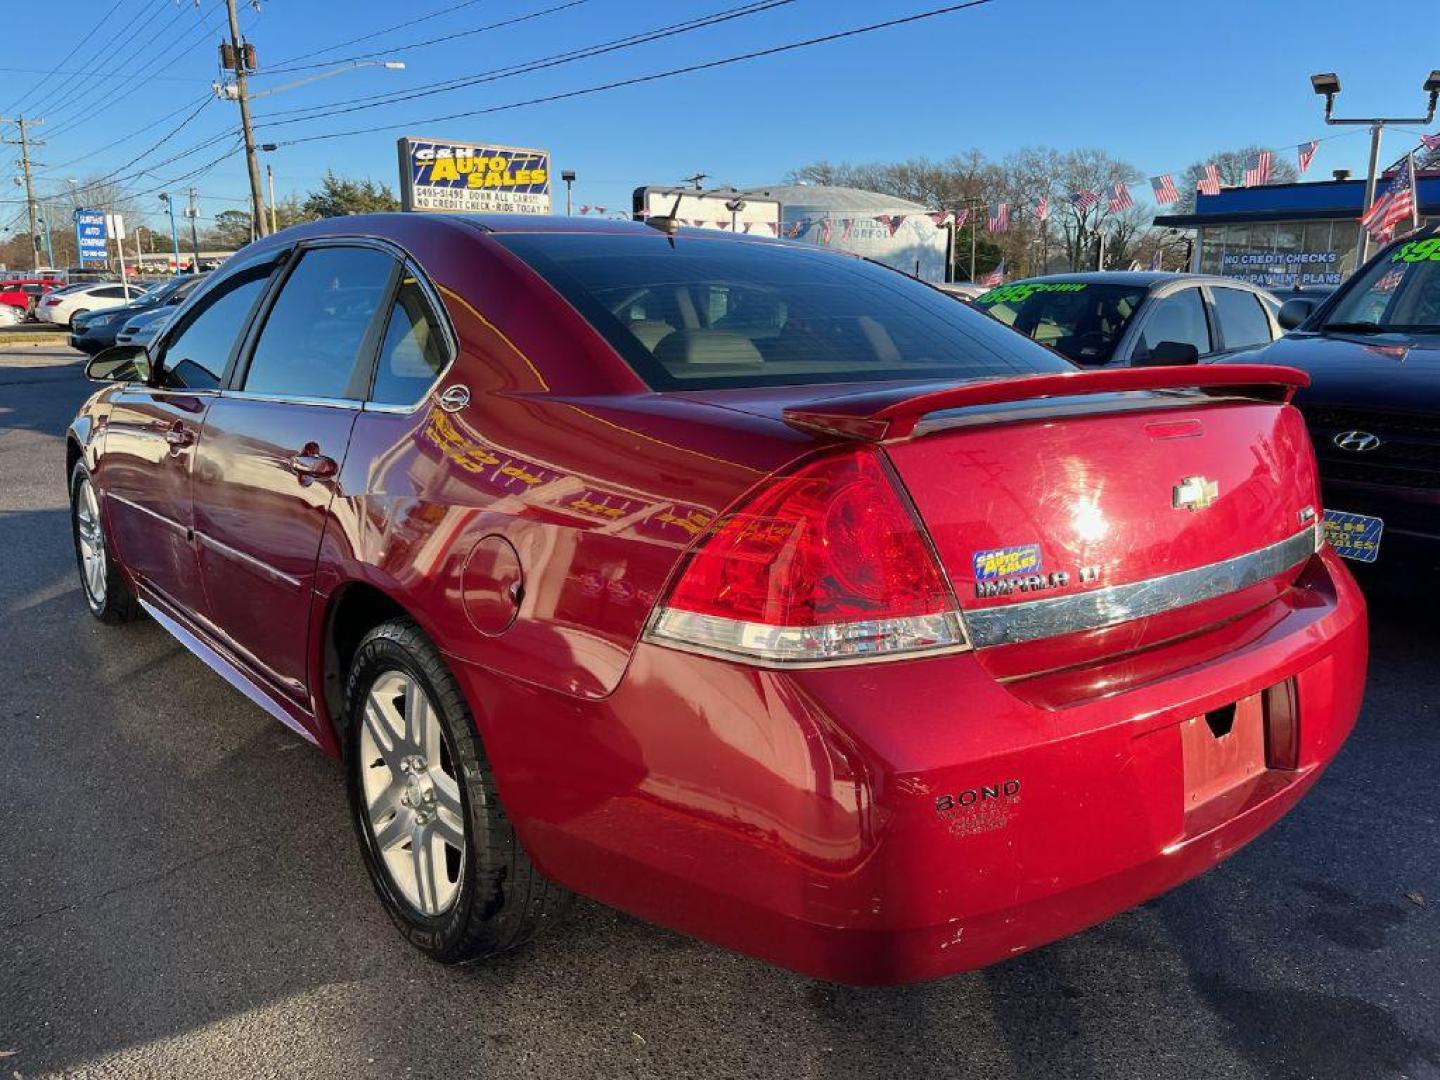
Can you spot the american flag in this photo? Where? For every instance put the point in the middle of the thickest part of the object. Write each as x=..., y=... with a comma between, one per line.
x=1042, y=208
x=1120, y=198
x=1209, y=183
x=995, y=277
x=1306, y=153
x=1431, y=142
x=961, y=216
x=1258, y=167
x=1164, y=189
x=1000, y=219
x=1157, y=260
x=825, y=228
x=940, y=217
x=1395, y=206
x=1083, y=200
x=847, y=226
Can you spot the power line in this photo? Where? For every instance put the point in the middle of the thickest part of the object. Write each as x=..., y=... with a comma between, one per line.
x=55, y=70
x=95, y=94
x=377, y=33
x=129, y=135
x=317, y=112
x=67, y=95
x=443, y=39
x=656, y=76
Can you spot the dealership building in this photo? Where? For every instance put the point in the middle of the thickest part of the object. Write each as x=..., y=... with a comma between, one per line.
x=1284, y=235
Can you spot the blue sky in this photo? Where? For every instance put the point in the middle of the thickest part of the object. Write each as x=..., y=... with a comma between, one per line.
x=1157, y=85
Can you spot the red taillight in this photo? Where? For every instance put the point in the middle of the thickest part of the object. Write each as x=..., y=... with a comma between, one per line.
x=52, y=301
x=825, y=563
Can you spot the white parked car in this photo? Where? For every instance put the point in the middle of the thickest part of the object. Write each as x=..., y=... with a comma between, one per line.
x=63, y=305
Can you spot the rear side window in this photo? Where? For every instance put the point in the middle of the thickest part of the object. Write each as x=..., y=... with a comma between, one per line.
x=1179, y=317
x=1242, y=320
x=197, y=353
x=414, y=351
x=311, y=343
x=700, y=312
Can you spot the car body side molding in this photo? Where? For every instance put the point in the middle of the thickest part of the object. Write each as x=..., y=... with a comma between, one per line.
x=227, y=671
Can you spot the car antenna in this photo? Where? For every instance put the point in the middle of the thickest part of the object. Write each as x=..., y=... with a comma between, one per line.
x=669, y=223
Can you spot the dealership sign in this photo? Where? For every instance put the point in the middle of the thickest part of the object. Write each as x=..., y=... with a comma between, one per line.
x=91, y=236
x=473, y=178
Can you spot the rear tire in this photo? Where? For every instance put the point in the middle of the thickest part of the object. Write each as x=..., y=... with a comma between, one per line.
x=106, y=594
x=441, y=852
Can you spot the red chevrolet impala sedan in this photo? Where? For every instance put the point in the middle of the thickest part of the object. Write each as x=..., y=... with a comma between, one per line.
x=756, y=590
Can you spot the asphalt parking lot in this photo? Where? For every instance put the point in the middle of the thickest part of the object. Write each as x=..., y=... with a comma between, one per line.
x=180, y=895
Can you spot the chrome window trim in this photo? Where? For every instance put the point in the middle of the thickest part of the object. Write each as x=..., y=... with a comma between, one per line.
x=1035, y=619
x=288, y=399
x=452, y=343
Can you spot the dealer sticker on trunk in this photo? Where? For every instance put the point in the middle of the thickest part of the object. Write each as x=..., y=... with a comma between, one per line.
x=1006, y=562
x=1353, y=536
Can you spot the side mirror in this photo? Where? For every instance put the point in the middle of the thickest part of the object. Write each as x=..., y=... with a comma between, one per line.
x=120, y=363
x=1164, y=354
x=1295, y=311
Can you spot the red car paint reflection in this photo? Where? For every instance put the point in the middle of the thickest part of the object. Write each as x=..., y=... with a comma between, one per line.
x=908, y=806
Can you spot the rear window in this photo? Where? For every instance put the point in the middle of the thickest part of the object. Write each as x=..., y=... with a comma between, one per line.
x=1084, y=320
x=703, y=312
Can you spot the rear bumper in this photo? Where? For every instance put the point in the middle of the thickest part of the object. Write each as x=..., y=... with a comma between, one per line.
x=796, y=816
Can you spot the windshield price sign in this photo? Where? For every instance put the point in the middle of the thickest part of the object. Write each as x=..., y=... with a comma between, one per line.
x=91, y=237
x=473, y=178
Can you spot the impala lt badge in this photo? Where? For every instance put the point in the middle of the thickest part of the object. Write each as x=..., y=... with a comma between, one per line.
x=1357, y=442
x=1194, y=493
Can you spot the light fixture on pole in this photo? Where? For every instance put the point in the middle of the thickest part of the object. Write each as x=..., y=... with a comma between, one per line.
x=568, y=175
x=1326, y=84
x=174, y=232
x=270, y=148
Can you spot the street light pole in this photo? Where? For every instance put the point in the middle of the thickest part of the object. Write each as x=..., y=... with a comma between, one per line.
x=1327, y=85
x=568, y=175
x=174, y=233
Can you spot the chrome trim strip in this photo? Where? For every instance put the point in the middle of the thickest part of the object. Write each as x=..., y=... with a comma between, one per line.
x=1053, y=616
x=249, y=560
x=227, y=671
x=182, y=529
x=287, y=399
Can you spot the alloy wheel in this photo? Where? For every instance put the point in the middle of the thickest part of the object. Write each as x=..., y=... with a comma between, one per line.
x=92, y=542
x=412, y=794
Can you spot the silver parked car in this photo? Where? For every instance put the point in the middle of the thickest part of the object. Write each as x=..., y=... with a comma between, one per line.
x=1116, y=318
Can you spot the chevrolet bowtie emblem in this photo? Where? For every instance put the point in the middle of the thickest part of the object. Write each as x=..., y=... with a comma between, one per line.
x=1194, y=493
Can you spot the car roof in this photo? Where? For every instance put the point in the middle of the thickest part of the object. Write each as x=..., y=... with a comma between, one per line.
x=397, y=224
x=1145, y=279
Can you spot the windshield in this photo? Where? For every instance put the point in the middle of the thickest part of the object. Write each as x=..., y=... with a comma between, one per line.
x=1083, y=320
x=1398, y=292
x=698, y=312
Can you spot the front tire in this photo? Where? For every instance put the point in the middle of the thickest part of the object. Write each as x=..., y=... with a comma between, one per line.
x=441, y=852
x=106, y=594
x=75, y=315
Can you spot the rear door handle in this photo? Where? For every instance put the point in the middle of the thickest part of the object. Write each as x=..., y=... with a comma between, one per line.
x=179, y=436
x=310, y=463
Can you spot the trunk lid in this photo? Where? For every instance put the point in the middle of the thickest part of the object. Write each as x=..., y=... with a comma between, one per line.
x=1186, y=497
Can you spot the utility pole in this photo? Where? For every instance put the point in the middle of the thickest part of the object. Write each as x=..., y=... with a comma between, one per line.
x=24, y=143
x=174, y=234
x=239, y=57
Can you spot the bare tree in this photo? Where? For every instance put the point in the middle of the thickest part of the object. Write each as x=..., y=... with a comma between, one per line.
x=1080, y=226
x=1230, y=164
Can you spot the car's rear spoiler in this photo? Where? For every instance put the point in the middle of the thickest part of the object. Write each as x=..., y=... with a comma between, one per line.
x=878, y=415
